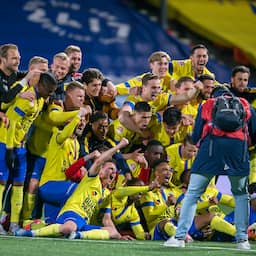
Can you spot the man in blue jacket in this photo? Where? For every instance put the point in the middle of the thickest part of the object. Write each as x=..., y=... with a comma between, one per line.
x=219, y=153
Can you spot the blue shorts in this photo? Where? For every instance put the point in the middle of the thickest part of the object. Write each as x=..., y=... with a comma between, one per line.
x=35, y=165
x=158, y=234
x=4, y=171
x=195, y=233
x=57, y=192
x=20, y=165
x=79, y=220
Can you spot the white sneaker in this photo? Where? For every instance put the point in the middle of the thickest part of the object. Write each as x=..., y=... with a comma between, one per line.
x=74, y=235
x=243, y=245
x=2, y=230
x=14, y=226
x=174, y=242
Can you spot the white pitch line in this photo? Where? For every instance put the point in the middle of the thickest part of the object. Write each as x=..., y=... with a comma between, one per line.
x=135, y=242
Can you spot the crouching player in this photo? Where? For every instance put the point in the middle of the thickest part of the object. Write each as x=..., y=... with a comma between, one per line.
x=81, y=206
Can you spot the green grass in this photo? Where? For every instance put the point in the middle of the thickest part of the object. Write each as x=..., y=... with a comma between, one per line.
x=10, y=246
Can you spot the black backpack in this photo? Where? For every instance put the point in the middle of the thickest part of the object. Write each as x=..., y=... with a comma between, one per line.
x=228, y=113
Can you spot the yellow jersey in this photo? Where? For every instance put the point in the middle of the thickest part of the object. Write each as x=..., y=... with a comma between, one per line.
x=122, y=213
x=62, y=152
x=43, y=128
x=86, y=198
x=184, y=68
x=160, y=103
x=21, y=114
x=154, y=207
x=177, y=163
x=123, y=88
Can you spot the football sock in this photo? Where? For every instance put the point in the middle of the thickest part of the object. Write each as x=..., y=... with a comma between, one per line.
x=2, y=187
x=227, y=200
x=28, y=205
x=217, y=223
x=16, y=203
x=95, y=234
x=169, y=229
x=50, y=230
x=252, y=176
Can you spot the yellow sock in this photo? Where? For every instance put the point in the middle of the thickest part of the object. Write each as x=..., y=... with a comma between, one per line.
x=99, y=234
x=169, y=229
x=217, y=211
x=2, y=187
x=221, y=225
x=16, y=203
x=49, y=230
x=28, y=205
x=252, y=176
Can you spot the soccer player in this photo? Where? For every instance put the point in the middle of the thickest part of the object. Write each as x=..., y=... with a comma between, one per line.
x=77, y=212
x=107, y=97
x=123, y=207
x=239, y=83
x=140, y=164
x=95, y=138
x=9, y=74
x=75, y=57
x=181, y=157
x=171, y=129
x=63, y=151
x=60, y=67
x=159, y=64
x=193, y=67
x=151, y=93
x=55, y=115
x=21, y=114
x=158, y=205
x=140, y=117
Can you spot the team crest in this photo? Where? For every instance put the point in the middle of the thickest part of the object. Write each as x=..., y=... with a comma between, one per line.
x=119, y=129
x=94, y=193
x=132, y=166
x=157, y=202
x=181, y=62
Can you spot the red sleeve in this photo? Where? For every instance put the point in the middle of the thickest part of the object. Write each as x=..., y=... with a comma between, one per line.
x=74, y=172
x=145, y=175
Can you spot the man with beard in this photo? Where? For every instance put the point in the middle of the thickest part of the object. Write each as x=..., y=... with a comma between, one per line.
x=158, y=205
x=194, y=67
x=9, y=63
x=205, y=93
x=75, y=56
x=63, y=151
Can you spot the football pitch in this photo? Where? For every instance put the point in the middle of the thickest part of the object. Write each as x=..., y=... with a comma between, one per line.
x=10, y=246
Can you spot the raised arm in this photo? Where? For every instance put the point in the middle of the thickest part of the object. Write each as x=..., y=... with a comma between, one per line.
x=94, y=170
x=189, y=95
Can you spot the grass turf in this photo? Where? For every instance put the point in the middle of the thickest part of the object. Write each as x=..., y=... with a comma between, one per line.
x=11, y=246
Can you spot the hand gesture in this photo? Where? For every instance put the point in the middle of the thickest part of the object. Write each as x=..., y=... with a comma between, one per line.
x=84, y=111
x=154, y=184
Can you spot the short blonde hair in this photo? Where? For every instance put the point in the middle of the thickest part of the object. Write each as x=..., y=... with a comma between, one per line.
x=61, y=55
x=72, y=48
x=156, y=56
x=36, y=60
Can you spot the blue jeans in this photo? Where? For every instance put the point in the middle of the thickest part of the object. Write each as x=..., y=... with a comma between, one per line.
x=196, y=188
